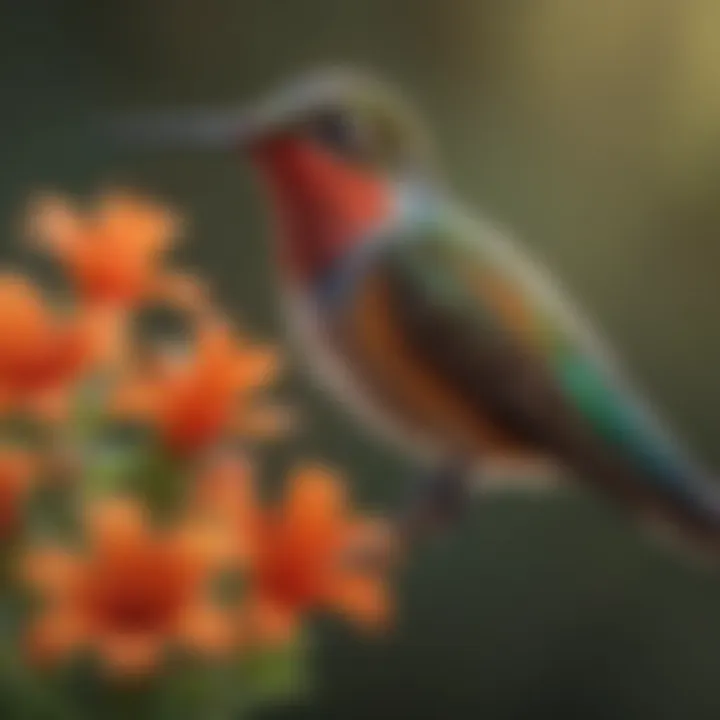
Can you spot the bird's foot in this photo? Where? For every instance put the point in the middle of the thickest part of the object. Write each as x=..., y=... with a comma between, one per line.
x=436, y=504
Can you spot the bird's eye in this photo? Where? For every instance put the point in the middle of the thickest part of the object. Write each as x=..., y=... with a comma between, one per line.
x=340, y=131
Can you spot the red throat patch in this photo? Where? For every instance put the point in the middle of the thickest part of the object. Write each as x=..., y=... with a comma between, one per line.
x=324, y=205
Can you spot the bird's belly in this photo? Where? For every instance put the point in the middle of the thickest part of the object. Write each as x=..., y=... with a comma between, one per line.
x=335, y=372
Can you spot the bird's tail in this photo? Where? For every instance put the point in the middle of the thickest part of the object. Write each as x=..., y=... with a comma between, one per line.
x=677, y=503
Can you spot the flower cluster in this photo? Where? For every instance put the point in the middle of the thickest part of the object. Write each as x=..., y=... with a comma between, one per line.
x=138, y=546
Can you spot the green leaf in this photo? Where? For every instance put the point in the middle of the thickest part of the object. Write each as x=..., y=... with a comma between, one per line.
x=195, y=689
x=144, y=470
x=277, y=675
x=109, y=471
x=161, y=480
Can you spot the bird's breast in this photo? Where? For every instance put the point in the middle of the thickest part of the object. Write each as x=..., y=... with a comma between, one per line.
x=322, y=206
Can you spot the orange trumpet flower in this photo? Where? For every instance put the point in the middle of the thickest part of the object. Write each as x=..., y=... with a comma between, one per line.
x=303, y=554
x=114, y=253
x=198, y=399
x=42, y=354
x=134, y=592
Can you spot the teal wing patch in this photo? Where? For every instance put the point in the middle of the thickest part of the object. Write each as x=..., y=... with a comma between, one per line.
x=621, y=420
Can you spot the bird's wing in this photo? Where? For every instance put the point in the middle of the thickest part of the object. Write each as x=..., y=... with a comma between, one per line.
x=455, y=317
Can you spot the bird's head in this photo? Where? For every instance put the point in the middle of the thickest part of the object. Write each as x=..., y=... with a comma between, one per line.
x=332, y=148
x=352, y=117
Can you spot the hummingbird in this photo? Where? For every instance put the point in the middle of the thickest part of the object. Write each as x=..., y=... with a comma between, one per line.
x=431, y=324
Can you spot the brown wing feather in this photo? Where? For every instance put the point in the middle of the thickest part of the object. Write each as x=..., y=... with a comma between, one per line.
x=426, y=399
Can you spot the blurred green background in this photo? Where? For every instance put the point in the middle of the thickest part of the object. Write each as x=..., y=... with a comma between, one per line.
x=593, y=130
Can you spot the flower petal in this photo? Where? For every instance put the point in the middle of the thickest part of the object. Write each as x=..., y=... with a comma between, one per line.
x=315, y=496
x=50, y=570
x=53, y=636
x=52, y=407
x=266, y=422
x=268, y=623
x=257, y=366
x=204, y=548
x=225, y=493
x=115, y=524
x=135, y=400
x=105, y=332
x=183, y=292
x=227, y=482
x=207, y=630
x=137, y=222
x=54, y=224
x=126, y=655
x=362, y=598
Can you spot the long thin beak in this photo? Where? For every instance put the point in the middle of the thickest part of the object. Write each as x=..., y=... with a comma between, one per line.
x=201, y=129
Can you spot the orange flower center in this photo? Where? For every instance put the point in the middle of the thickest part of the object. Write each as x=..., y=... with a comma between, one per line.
x=143, y=589
x=297, y=570
x=195, y=411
